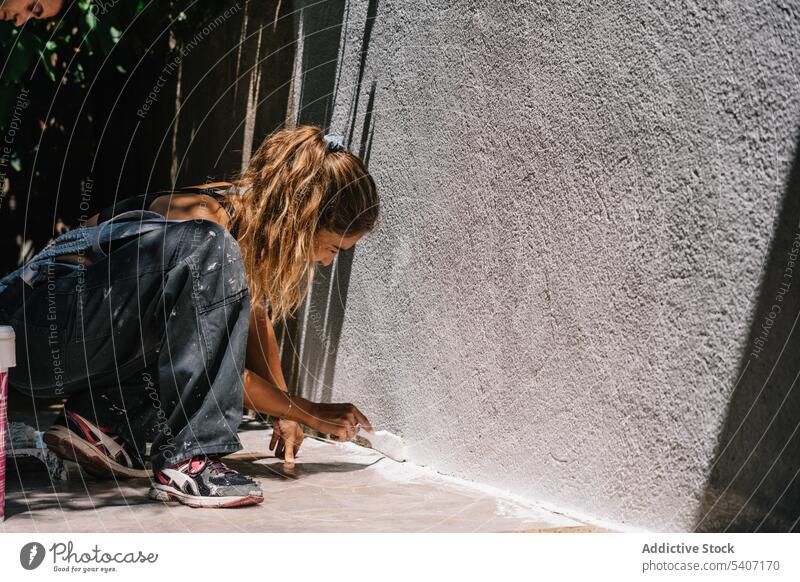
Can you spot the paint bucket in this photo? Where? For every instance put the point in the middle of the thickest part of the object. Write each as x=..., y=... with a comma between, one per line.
x=7, y=360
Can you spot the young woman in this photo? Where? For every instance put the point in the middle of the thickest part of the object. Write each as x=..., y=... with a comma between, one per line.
x=155, y=319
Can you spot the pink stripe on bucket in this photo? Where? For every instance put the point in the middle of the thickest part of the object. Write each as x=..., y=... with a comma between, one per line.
x=3, y=418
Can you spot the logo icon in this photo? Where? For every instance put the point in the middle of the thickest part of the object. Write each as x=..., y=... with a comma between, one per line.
x=31, y=555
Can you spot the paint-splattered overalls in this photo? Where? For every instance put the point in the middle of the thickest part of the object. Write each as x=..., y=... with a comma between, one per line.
x=148, y=340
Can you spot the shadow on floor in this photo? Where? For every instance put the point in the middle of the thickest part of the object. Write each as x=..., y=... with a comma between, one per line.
x=35, y=492
x=277, y=470
x=32, y=490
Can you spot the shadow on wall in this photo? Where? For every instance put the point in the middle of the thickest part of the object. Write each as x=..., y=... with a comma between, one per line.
x=754, y=485
x=309, y=341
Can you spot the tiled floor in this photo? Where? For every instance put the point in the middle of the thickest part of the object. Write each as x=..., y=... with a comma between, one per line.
x=332, y=488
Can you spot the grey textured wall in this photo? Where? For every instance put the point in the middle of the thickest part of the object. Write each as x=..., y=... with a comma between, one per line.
x=583, y=209
x=588, y=215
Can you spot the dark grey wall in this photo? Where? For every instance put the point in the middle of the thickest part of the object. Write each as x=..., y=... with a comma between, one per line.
x=754, y=484
x=310, y=341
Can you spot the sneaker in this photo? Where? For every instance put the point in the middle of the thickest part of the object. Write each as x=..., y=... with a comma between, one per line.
x=204, y=482
x=96, y=449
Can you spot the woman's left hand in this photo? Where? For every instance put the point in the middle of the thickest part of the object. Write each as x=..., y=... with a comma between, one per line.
x=287, y=436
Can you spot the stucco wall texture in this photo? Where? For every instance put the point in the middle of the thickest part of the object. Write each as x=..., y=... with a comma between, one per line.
x=578, y=202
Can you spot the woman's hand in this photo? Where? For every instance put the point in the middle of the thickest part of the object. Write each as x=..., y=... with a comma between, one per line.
x=287, y=436
x=341, y=421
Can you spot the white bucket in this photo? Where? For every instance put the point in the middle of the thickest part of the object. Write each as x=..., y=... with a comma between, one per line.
x=8, y=358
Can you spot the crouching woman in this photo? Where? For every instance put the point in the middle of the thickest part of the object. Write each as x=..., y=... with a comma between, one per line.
x=159, y=316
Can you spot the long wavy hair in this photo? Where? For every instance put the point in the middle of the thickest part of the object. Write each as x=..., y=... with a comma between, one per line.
x=292, y=188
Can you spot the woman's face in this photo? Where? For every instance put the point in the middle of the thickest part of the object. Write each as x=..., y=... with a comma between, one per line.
x=328, y=243
x=20, y=11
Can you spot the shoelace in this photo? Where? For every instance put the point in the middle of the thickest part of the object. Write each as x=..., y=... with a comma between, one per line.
x=214, y=465
x=217, y=466
x=231, y=476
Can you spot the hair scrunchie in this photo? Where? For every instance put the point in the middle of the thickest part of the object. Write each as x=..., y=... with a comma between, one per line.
x=334, y=143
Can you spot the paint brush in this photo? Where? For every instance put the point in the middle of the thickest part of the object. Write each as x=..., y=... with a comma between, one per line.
x=386, y=443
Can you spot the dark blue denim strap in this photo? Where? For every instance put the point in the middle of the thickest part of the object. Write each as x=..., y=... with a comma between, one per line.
x=123, y=225
x=147, y=221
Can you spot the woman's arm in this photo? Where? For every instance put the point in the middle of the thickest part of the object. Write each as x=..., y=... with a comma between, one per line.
x=338, y=420
x=265, y=397
x=263, y=356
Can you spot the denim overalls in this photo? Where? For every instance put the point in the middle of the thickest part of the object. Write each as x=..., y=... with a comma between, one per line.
x=148, y=340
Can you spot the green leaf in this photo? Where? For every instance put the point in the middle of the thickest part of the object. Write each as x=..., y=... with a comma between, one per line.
x=78, y=74
x=46, y=64
x=91, y=20
x=115, y=34
x=16, y=163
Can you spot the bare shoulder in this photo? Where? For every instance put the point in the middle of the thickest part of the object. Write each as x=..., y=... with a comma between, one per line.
x=190, y=207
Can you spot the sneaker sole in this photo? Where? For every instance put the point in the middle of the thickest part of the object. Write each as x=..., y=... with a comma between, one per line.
x=67, y=445
x=161, y=493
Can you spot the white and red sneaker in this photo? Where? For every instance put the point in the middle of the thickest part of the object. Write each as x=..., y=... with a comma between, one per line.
x=205, y=482
x=96, y=449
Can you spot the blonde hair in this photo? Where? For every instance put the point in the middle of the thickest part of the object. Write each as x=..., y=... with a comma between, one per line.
x=292, y=188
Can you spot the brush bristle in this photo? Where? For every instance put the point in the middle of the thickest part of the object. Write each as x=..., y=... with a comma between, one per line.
x=387, y=443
